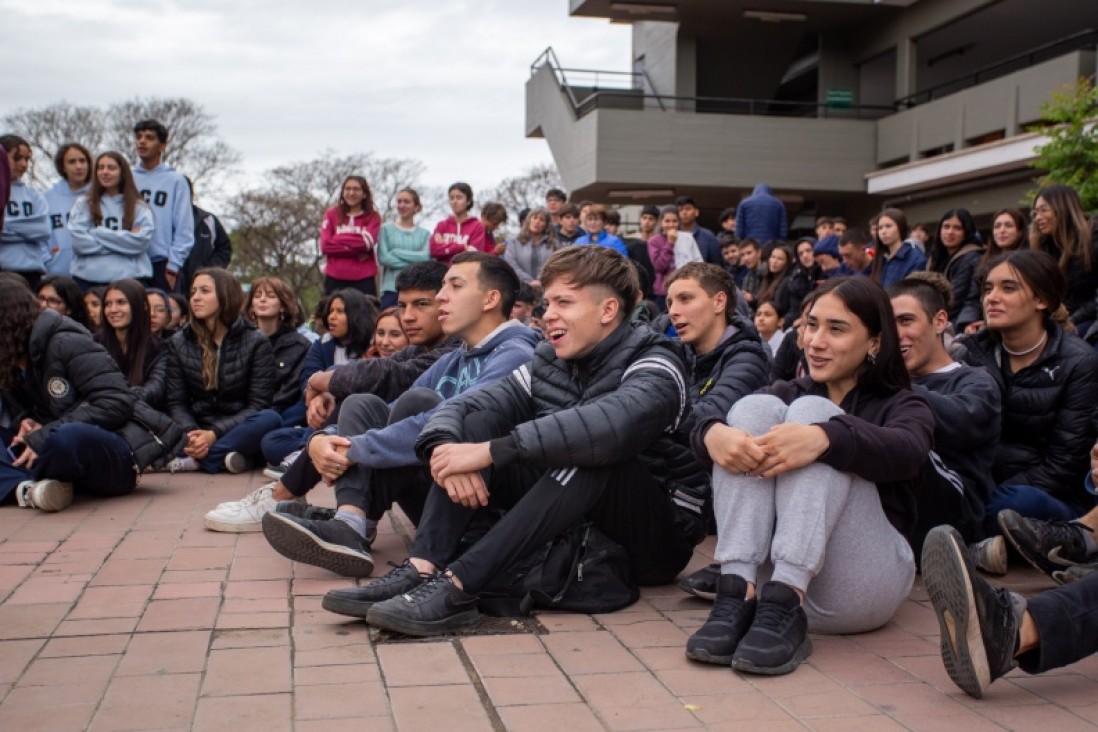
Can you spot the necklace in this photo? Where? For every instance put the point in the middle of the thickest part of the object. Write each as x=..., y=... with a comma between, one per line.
x=1038, y=344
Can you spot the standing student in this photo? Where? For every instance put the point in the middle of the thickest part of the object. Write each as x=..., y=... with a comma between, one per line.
x=779, y=267
x=492, y=216
x=1049, y=384
x=461, y=231
x=347, y=239
x=708, y=245
x=221, y=379
x=168, y=195
x=73, y=163
x=272, y=306
x=26, y=231
x=815, y=479
x=1063, y=230
x=528, y=252
x=401, y=243
x=569, y=230
x=956, y=253
x=111, y=227
x=595, y=224
x=895, y=256
x=60, y=293
x=661, y=253
x=212, y=246
x=555, y=198
x=125, y=333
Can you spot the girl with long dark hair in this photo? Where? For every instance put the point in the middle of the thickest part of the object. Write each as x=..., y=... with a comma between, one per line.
x=221, y=379
x=348, y=237
x=126, y=335
x=895, y=255
x=111, y=227
x=956, y=253
x=1062, y=230
x=815, y=478
x=60, y=293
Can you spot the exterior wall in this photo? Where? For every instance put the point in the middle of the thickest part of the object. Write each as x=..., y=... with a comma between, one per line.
x=571, y=141
x=658, y=43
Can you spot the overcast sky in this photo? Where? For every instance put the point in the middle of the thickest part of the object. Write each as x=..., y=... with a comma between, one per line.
x=442, y=82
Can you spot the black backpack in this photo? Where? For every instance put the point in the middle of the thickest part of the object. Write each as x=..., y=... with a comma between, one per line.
x=582, y=570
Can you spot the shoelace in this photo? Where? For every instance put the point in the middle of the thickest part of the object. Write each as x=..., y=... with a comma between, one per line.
x=770, y=615
x=257, y=495
x=425, y=589
x=392, y=575
x=1063, y=534
x=726, y=608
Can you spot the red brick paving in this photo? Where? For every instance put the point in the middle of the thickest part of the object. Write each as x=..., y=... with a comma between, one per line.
x=126, y=614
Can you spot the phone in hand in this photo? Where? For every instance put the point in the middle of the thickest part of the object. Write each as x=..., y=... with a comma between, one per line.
x=15, y=451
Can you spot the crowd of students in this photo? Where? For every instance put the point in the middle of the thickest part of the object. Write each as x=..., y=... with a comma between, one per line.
x=824, y=404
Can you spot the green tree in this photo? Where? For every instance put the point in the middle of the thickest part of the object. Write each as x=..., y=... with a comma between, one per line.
x=1070, y=156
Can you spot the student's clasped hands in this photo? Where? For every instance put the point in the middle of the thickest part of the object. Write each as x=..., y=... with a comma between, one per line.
x=785, y=447
x=456, y=468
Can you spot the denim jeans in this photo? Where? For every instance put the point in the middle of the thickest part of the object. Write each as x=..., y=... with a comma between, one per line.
x=96, y=461
x=244, y=438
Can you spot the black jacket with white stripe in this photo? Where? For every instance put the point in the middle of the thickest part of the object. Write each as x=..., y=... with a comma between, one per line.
x=623, y=401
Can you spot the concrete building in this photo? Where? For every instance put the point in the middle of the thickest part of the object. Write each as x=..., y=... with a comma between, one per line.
x=842, y=106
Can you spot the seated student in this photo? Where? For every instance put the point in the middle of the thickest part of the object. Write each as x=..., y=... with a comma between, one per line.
x=387, y=378
x=178, y=312
x=1049, y=384
x=585, y=431
x=956, y=482
x=814, y=485
x=372, y=460
x=769, y=318
x=789, y=362
x=896, y=256
x=125, y=333
x=751, y=261
x=525, y=300
x=569, y=229
x=594, y=223
x=389, y=337
x=827, y=256
x=957, y=253
x=221, y=379
x=24, y=237
x=986, y=632
x=93, y=302
x=272, y=307
x=60, y=293
x=111, y=227
x=853, y=247
x=725, y=360
x=73, y=409
x=159, y=312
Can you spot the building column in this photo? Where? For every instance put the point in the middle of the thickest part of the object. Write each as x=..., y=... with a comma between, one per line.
x=905, y=68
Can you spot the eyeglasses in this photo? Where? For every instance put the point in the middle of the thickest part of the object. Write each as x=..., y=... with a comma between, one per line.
x=50, y=300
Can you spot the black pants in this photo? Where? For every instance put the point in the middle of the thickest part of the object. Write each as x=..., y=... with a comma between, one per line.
x=373, y=491
x=939, y=501
x=1067, y=621
x=367, y=286
x=622, y=500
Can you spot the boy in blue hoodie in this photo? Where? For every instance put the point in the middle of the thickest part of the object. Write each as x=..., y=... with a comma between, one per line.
x=371, y=459
x=166, y=191
x=26, y=223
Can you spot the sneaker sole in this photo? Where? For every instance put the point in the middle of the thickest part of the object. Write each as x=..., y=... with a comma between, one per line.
x=237, y=464
x=295, y=542
x=273, y=474
x=998, y=564
x=1037, y=561
x=804, y=650
x=347, y=606
x=949, y=585
x=703, y=656
x=703, y=594
x=422, y=628
x=51, y=495
x=230, y=527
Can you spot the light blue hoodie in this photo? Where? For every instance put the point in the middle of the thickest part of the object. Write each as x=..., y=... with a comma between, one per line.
x=60, y=200
x=107, y=252
x=167, y=193
x=26, y=231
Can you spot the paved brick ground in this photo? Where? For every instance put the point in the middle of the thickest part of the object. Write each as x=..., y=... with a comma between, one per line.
x=127, y=615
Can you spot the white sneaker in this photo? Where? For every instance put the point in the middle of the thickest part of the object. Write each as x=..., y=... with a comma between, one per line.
x=45, y=495
x=182, y=465
x=245, y=515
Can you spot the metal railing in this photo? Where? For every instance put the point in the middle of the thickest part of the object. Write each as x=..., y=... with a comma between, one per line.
x=589, y=89
x=1084, y=39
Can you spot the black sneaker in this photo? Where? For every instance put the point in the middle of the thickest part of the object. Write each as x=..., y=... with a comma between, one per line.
x=435, y=607
x=731, y=616
x=1047, y=545
x=333, y=544
x=316, y=513
x=702, y=583
x=777, y=641
x=979, y=624
x=356, y=601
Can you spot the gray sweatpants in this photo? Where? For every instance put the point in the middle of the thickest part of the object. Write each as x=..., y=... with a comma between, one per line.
x=819, y=530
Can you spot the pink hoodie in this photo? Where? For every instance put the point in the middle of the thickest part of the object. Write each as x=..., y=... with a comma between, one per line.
x=349, y=246
x=456, y=238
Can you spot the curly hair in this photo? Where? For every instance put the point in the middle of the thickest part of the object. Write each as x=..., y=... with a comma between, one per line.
x=18, y=312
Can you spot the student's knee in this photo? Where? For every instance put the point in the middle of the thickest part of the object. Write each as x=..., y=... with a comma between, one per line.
x=360, y=412
x=413, y=402
x=811, y=410
x=757, y=413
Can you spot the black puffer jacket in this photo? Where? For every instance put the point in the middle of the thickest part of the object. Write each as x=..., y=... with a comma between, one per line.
x=71, y=378
x=245, y=378
x=794, y=289
x=289, y=348
x=1081, y=284
x=623, y=401
x=154, y=391
x=961, y=270
x=738, y=366
x=1048, y=412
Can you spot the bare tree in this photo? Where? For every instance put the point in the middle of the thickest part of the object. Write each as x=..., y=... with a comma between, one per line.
x=526, y=190
x=194, y=147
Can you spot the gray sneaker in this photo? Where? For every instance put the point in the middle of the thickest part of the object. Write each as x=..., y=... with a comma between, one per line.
x=45, y=495
x=990, y=555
